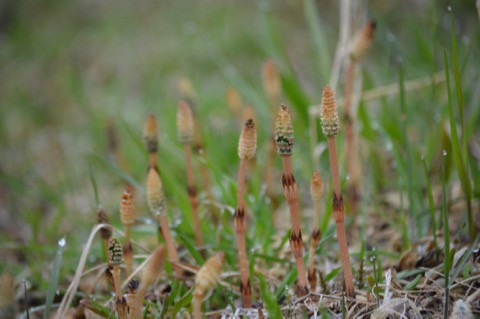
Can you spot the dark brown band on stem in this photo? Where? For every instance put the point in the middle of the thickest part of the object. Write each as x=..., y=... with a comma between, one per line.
x=192, y=190
x=288, y=180
x=316, y=234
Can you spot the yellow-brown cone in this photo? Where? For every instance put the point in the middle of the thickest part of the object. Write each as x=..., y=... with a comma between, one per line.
x=247, y=144
x=271, y=79
x=150, y=134
x=185, y=123
x=154, y=267
x=316, y=187
x=284, y=137
x=128, y=213
x=155, y=195
x=328, y=113
x=208, y=275
x=362, y=41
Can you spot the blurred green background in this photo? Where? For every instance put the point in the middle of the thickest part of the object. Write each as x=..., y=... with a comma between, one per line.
x=71, y=69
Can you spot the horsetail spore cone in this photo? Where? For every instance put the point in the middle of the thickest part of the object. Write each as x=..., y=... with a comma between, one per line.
x=185, y=123
x=206, y=279
x=330, y=128
x=284, y=139
x=271, y=81
x=115, y=258
x=155, y=194
x=128, y=214
x=115, y=252
x=247, y=146
x=362, y=41
x=185, y=129
x=150, y=133
x=158, y=208
x=152, y=271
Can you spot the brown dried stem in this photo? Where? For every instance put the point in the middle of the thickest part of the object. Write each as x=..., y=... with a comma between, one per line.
x=271, y=84
x=330, y=127
x=186, y=133
x=192, y=196
x=246, y=152
x=158, y=207
x=284, y=138
x=115, y=254
x=316, y=190
x=291, y=194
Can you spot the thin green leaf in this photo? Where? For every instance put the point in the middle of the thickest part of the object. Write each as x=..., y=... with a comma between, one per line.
x=52, y=286
x=271, y=303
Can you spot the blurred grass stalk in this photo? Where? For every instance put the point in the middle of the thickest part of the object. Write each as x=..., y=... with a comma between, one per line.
x=459, y=159
x=460, y=151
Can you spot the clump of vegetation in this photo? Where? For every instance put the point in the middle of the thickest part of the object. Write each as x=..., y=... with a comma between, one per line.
x=203, y=229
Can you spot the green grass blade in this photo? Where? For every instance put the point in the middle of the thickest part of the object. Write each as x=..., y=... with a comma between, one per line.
x=117, y=171
x=52, y=286
x=458, y=85
x=431, y=204
x=415, y=229
x=94, y=184
x=270, y=302
x=191, y=248
x=317, y=35
x=457, y=155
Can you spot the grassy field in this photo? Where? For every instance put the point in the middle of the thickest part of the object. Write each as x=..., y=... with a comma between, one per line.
x=75, y=74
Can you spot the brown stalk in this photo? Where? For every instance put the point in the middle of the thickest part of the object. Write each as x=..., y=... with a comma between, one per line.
x=131, y=296
x=271, y=84
x=284, y=139
x=246, y=151
x=316, y=192
x=187, y=93
x=105, y=232
x=115, y=256
x=185, y=127
x=128, y=214
x=330, y=127
x=158, y=208
x=206, y=279
x=151, y=140
x=360, y=45
x=152, y=271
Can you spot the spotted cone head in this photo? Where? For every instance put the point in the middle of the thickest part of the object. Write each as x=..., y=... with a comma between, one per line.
x=284, y=137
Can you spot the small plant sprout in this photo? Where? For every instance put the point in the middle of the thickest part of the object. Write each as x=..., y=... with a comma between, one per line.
x=271, y=84
x=316, y=192
x=150, y=274
x=151, y=139
x=158, y=208
x=360, y=45
x=284, y=139
x=185, y=129
x=115, y=257
x=247, y=146
x=330, y=127
x=206, y=279
x=128, y=214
